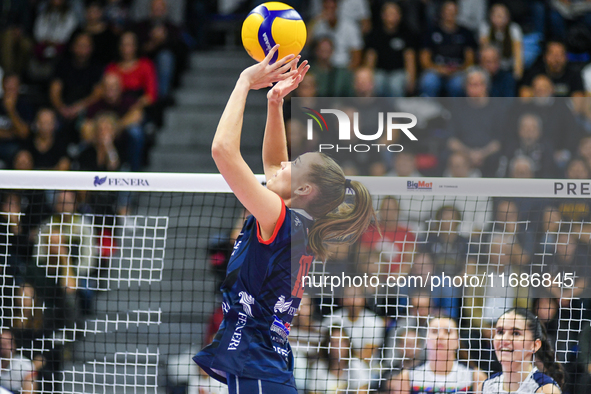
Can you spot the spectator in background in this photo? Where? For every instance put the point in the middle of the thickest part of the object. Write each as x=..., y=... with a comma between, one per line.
x=366, y=329
x=100, y=154
x=338, y=367
x=15, y=115
x=567, y=80
x=450, y=252
x=529, y=142
x=15, y=240
x=103, y=38
x=345, y=36
x=442, y=372
x=297, y=137
x=521, y=167
x=129, y=133
x=52, y=31
x=446, y=52
x=46, y=146
x=506, y=36
x=404, y=163
x=458, y=166
x=556, y=116
x=66, y=249
x=15, y=45
x=330, y=81
x=75, y=84
x=18, y=372
x=474, y=124
x=138, y=75
x=404, y=346
x=502, y=82
x=565, y=15
x=392, y=245
x=33, y=322
x=390, y=51
x=117, y=15
x=584, y=150
x=305, y=338
x=160, y=40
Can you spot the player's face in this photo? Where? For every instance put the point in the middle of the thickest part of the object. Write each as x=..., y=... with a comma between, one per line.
x=512, y=341
x=442, y=337
x=291, y=175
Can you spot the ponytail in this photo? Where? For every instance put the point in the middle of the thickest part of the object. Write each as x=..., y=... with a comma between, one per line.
x=545, y=353
x=336, y=222
x=546, y=356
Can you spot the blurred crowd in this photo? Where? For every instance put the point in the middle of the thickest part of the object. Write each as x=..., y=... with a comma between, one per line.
x=84, y=83
x=84, y=87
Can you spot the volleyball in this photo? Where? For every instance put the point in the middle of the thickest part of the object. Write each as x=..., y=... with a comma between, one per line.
x=273, y=23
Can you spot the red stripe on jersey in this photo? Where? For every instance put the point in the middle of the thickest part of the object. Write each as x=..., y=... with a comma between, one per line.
x=277, y=227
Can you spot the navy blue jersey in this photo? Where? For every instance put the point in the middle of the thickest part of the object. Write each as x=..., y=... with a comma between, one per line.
x=261, y=295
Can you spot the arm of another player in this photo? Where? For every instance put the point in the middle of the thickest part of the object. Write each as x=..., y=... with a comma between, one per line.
x=479, y=378
x=549, y=389
x=399, y=384
x=265, y=205
x=274, y=142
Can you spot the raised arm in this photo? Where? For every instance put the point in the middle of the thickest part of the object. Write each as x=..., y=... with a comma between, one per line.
x=265, y=205
x=275, y=142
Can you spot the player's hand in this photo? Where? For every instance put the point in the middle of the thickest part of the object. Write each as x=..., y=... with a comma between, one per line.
x=283, y=88
x=264, y=74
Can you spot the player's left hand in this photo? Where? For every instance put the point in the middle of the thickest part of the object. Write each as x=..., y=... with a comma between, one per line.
x=264, y=74
x=283, y=88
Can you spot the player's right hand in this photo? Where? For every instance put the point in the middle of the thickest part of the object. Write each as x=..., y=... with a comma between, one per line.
x=264, y=74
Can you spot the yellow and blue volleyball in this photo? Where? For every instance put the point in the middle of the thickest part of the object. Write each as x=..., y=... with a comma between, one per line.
x=273, y=23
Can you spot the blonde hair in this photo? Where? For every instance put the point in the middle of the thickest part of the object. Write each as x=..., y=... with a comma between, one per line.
x=336, y=222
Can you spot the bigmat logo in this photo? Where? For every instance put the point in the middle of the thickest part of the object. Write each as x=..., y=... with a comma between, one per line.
x=344, y=130
x=419, y=185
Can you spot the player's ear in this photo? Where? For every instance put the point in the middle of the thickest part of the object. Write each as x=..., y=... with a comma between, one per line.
x=537, y=345
x=304, y=190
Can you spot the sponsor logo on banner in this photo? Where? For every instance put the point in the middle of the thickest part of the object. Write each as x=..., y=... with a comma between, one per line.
x=419, y=185
x=389, y=121
x=246, y=300
x=572, y=188
x=99, y=181
x=120, y=181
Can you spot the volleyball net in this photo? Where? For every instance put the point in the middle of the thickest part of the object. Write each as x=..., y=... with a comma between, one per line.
x=110, y=281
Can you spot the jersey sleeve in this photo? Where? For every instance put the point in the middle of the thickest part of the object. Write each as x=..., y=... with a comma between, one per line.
x=280, y=222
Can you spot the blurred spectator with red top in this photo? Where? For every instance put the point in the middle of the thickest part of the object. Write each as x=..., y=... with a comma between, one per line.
x=395, y=244
x=138, y=75
x=15, y=115
x=129, y=131
x=75, y=84
x=161, y=40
